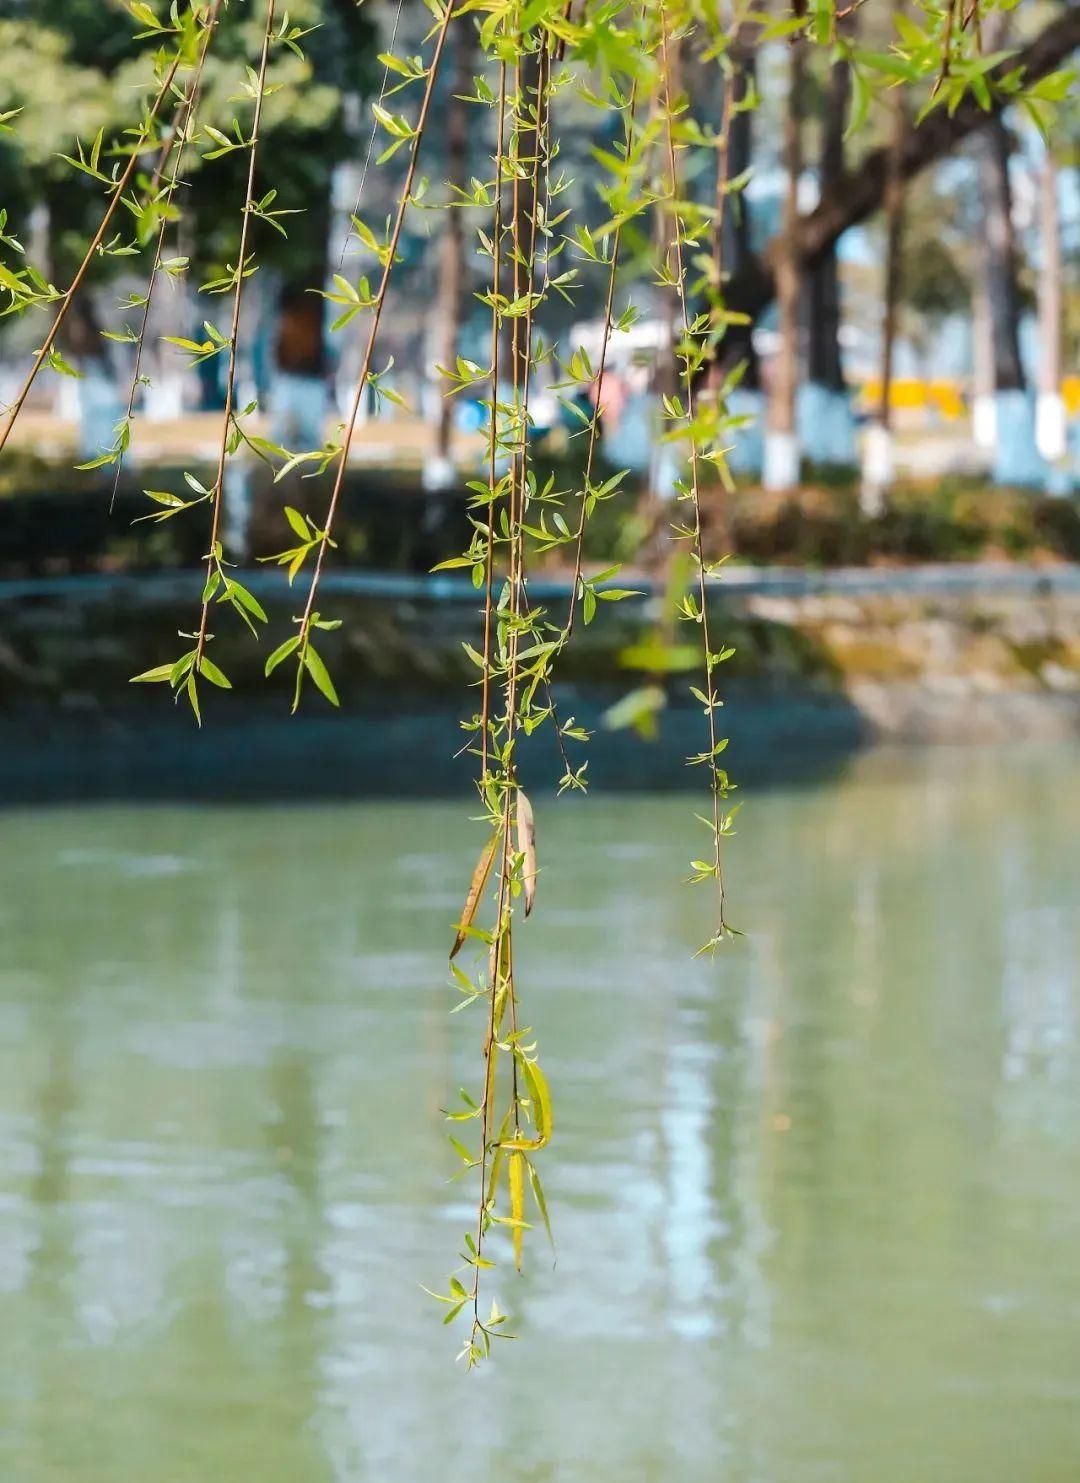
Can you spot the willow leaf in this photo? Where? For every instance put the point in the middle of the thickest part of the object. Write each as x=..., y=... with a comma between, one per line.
x=476, y=890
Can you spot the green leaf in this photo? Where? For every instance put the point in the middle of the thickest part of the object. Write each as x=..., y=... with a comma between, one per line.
x=193, y=697
x=208, y=668
x=160, y=675
x=239, y=593
x=541, y=1202
x=282, y=652
x=298, y=523
x=320, y=674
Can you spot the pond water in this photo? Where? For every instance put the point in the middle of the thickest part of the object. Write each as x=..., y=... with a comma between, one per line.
x=816, y=1202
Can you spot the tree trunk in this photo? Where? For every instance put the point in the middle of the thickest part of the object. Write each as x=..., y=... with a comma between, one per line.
x=781, y=470
x=1016, y=458
x=732, y=251
x=1000, y=259
x=439, y=469
x=1050, y=409
x=878, y=462
x=824, y=364
x=983, y=416
x=91, y=399
x=300, y=394
x=827, y=427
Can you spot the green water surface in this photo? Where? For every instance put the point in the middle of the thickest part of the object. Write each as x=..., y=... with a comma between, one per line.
x=816, y=1202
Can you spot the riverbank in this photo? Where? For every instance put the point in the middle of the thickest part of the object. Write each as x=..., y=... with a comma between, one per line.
x=824, y=663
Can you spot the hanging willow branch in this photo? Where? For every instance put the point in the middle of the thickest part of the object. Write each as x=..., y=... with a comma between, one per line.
x=691, y=355
x=215, y=572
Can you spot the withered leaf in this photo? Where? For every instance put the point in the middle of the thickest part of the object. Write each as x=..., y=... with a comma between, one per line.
x=476, y=890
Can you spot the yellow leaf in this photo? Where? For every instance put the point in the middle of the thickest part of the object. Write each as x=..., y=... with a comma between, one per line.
x=517, y=1203
x=497, y=1162
x=540, y=1097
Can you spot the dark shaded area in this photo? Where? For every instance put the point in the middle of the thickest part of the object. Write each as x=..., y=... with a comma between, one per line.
x=403, y=751
x=65, y=523
x=72, y=725
x=59, y=521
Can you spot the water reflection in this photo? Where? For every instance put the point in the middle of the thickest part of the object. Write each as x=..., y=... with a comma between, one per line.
x=816, y=1205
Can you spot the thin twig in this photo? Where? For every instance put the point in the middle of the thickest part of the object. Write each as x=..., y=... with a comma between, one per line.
x=946, y=51
x=695, y=493
x=371, y=137
x=213, y=560
x=493, y=436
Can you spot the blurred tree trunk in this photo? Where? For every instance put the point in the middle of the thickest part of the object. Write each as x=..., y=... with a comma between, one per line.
x=1016, y=458
x=999, y=260
x=732, y=252
x=781, y=470
x=982, y=352
x=1050, y=410
x=91, y=399
x=878, y=464
x=827, y=427
x=300, y=394
x=451, y=270
x=824, y=362
x=733, y=249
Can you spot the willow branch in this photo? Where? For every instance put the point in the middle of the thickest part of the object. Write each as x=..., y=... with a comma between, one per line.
x=213, y=560
x=695, y=491
x=493, y=432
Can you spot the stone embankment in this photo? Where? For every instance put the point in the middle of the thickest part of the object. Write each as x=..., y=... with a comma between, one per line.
x=824, y=661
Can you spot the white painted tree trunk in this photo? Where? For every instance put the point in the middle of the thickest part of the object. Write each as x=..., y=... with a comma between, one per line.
x=298, y=408
x=984, y=421
x=1050, y=420
x=237, y=510
x=781, y=459
x=629, y=444
x=439, y=472
x=93, y=403
x=1017, y=460
x=826, y=425
x=1051, y=425
x=983, y=415
x=163, y=399
x=878, y=469
x=780, y=467
x=747, y=454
